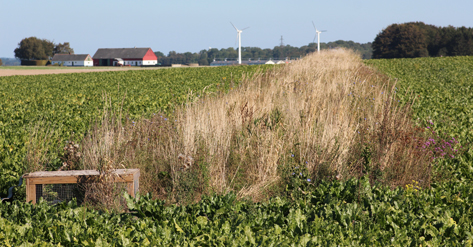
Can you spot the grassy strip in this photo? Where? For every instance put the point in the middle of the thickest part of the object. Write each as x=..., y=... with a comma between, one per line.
x=325, y=117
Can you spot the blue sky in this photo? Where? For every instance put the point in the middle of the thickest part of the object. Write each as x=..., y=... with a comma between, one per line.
x=196, y=25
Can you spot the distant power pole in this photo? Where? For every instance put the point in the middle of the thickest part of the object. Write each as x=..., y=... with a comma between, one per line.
x=282, y=42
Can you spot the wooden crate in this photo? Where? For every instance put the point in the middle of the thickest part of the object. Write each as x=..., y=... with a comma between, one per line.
x=128, y=176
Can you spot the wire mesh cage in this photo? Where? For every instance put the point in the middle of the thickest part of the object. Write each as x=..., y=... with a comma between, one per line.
x=59, y=186
x=55, y=193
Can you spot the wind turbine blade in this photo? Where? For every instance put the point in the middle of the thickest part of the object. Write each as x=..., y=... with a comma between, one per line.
x=314, y=25
x=236, y=41
x=234, y=26
x=323, y=31
x=313, y=41
x=244, y=28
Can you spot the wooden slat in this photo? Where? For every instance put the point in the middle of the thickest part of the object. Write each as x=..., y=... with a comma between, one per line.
x=53, y=180
x=78, y=179
x=72, y=177
x=136, y=181
x=30, y=192
x=131, y=188
x=61, y=173
x=120, y=172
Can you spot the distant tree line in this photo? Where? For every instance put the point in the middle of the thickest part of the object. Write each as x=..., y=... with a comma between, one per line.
x=417, y=39
x=33, y=48
x=205, y=57
x=10, y=61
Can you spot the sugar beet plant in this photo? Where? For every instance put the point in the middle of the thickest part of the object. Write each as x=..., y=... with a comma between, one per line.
x=350, y=213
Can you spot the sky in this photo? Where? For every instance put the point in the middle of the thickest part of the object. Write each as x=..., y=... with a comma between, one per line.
x=185, y=25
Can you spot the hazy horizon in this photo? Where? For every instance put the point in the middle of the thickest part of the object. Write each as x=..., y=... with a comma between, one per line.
x=193, y=26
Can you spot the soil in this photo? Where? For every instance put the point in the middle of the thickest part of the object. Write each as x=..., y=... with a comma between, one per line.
x=10, y=72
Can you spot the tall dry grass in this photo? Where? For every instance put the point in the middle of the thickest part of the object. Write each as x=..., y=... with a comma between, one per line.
x=327, y=113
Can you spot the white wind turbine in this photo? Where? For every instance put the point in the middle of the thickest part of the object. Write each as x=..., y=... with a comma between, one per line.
x=318, y=37
x=239, y=41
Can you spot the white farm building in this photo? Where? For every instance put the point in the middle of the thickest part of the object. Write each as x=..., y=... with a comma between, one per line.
x=84, y=60
x=249, y=62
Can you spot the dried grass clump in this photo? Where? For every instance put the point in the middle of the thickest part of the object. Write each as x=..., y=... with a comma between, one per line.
x=327, y=113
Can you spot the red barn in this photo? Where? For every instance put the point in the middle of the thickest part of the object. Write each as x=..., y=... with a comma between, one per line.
x=124, y=56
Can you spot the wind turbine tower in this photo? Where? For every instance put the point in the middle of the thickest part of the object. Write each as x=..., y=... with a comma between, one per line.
x=318, y=37
x=239, y=41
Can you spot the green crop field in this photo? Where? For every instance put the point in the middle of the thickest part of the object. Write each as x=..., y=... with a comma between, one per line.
x=345, y=213
x=442, y=88
x=67, y=103
x=441, y=92
x=348, y=214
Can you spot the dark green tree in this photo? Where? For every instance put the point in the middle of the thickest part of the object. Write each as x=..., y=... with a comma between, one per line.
x=64, y=48
x=462, y=42
x=159, y=54
x=278, y=52
x=1, y=63
x=431, y=34
x=444, y=44
x=48, y=48
x=400, y=41
x=203, y=58
x=417, y=39
x=33, y=48
x=204, y=62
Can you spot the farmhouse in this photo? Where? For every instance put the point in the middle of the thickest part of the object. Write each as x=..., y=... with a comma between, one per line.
x=124, y=56
x=72, y=60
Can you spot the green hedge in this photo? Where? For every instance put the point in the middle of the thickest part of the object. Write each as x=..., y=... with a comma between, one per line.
x=35, y=62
